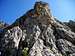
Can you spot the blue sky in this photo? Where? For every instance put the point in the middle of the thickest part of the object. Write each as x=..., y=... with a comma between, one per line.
x=10, y=10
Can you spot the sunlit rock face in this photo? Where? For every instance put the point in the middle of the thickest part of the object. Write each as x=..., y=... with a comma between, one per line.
x=37, y=33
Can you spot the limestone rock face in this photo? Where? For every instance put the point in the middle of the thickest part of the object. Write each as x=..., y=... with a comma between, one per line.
x=37, y=33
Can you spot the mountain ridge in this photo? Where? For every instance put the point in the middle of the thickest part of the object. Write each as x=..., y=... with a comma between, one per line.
x=37, y=33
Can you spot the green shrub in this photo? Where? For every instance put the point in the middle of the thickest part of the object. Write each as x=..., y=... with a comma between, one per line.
x=25, y=52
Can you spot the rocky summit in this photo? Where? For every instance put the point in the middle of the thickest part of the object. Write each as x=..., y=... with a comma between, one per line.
x=37, y=33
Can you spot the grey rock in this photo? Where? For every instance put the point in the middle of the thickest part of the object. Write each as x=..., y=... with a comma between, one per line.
x=71, y=24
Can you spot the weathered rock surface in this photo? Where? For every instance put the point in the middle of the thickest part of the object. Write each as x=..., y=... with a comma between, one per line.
x=38, y=34
x=71, y=24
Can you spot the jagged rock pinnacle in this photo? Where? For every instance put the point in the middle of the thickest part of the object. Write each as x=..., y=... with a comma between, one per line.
x=37, y=33
x=40, y=8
